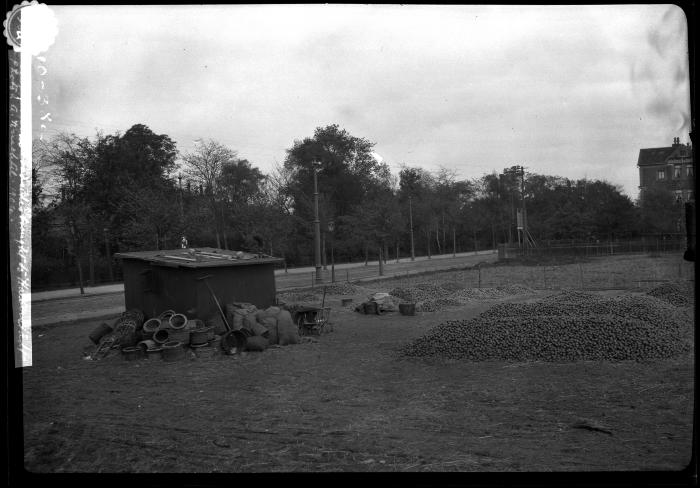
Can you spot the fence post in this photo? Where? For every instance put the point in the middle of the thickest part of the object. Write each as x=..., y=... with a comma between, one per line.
x=479, y=276
x=544, y=276
x=580, y=270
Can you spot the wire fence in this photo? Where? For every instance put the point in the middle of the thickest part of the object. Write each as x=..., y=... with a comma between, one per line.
x=628, y=272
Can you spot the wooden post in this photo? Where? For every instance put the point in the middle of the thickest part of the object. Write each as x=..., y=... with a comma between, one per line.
x=454, y=243
x=381, y=262
x=91, y=257
x=108, y=255
x=544, y=276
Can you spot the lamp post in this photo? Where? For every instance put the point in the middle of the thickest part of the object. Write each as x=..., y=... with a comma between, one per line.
x=331, y=227
x=317, y=228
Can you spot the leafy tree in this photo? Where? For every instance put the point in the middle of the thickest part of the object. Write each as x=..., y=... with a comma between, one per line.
x=660, y=211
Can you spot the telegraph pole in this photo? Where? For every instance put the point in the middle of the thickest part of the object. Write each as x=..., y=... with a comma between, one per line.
x=317, y=229
x=522, y=200
x=410, y=216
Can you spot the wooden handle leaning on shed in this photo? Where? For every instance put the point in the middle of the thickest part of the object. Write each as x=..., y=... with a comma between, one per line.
x=213, y=295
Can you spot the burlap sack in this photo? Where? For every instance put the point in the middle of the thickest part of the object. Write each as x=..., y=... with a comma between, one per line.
x=256, y=343
x=217, y=324
x=287, y=331
x=271, y=324
x=249, y=322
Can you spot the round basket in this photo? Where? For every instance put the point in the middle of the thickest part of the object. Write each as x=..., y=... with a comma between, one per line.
x=165, y=315
x=177, y=321
x=195, y=324
x=132, y=353
x=179, y=335
x=204, y=351
x=146, y=345
x=201, y=336
x=155, y=353
x=149, y=327
x=173, y=351
x=101, y=331
x=161, y=336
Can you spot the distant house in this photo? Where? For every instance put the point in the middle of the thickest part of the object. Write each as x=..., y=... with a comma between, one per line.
x=672, y=167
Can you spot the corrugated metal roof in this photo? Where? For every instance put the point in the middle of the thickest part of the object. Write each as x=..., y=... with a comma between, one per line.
x=202, y=257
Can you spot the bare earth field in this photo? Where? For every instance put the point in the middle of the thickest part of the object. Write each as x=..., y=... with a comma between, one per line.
x=348, y=401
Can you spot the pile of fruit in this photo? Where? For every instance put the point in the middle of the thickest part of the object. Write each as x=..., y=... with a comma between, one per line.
x=568, y=326
x=679, y=294
x=341, y=289
x=434, y=296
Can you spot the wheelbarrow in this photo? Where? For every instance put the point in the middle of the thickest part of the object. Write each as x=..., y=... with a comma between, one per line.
x=313, y=320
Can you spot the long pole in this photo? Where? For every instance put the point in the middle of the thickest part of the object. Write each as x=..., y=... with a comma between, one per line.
x=522, y=193
x=410, y=216
x=317, y=231
x=332, y=263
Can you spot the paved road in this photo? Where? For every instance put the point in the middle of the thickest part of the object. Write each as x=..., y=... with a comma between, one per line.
x=52, y=307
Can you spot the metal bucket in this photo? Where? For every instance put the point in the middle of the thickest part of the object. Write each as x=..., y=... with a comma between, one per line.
x=233, y=342
x=102, y=330
x=370, y=308
x=407, y=308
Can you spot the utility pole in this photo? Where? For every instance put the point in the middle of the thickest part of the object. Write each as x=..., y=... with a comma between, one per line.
x=522, y=189
x=410, y=216
x=317, y=229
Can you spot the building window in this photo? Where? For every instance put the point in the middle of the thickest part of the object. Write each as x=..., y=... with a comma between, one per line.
x=676, y=170
x=660, y=174
x=679, y=196
x=689, y=170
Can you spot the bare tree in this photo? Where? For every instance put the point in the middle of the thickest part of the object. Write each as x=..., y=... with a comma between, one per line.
x=204, y=166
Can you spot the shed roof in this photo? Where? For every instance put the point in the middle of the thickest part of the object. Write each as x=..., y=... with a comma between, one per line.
x=201, y=257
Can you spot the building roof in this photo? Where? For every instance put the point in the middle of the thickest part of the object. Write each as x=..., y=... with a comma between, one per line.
x=202, y=257
x=659, y=155
x=656, y=155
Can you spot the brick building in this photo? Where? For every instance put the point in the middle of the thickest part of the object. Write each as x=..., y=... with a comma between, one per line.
x=671, y=166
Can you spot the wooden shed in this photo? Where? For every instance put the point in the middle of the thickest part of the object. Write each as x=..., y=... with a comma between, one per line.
x=155, y=281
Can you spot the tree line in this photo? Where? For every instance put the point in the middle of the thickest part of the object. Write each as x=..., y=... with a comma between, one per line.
x=131, y=191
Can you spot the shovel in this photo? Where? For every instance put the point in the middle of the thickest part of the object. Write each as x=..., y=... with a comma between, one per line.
x=223, y=315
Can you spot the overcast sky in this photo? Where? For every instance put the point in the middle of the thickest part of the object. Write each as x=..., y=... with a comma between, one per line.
x=563, y=90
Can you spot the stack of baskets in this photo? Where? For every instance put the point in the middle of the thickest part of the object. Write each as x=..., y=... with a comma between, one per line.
x=168, y=337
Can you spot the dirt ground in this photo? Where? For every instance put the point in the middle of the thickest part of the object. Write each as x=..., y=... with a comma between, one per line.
x=349, y=402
